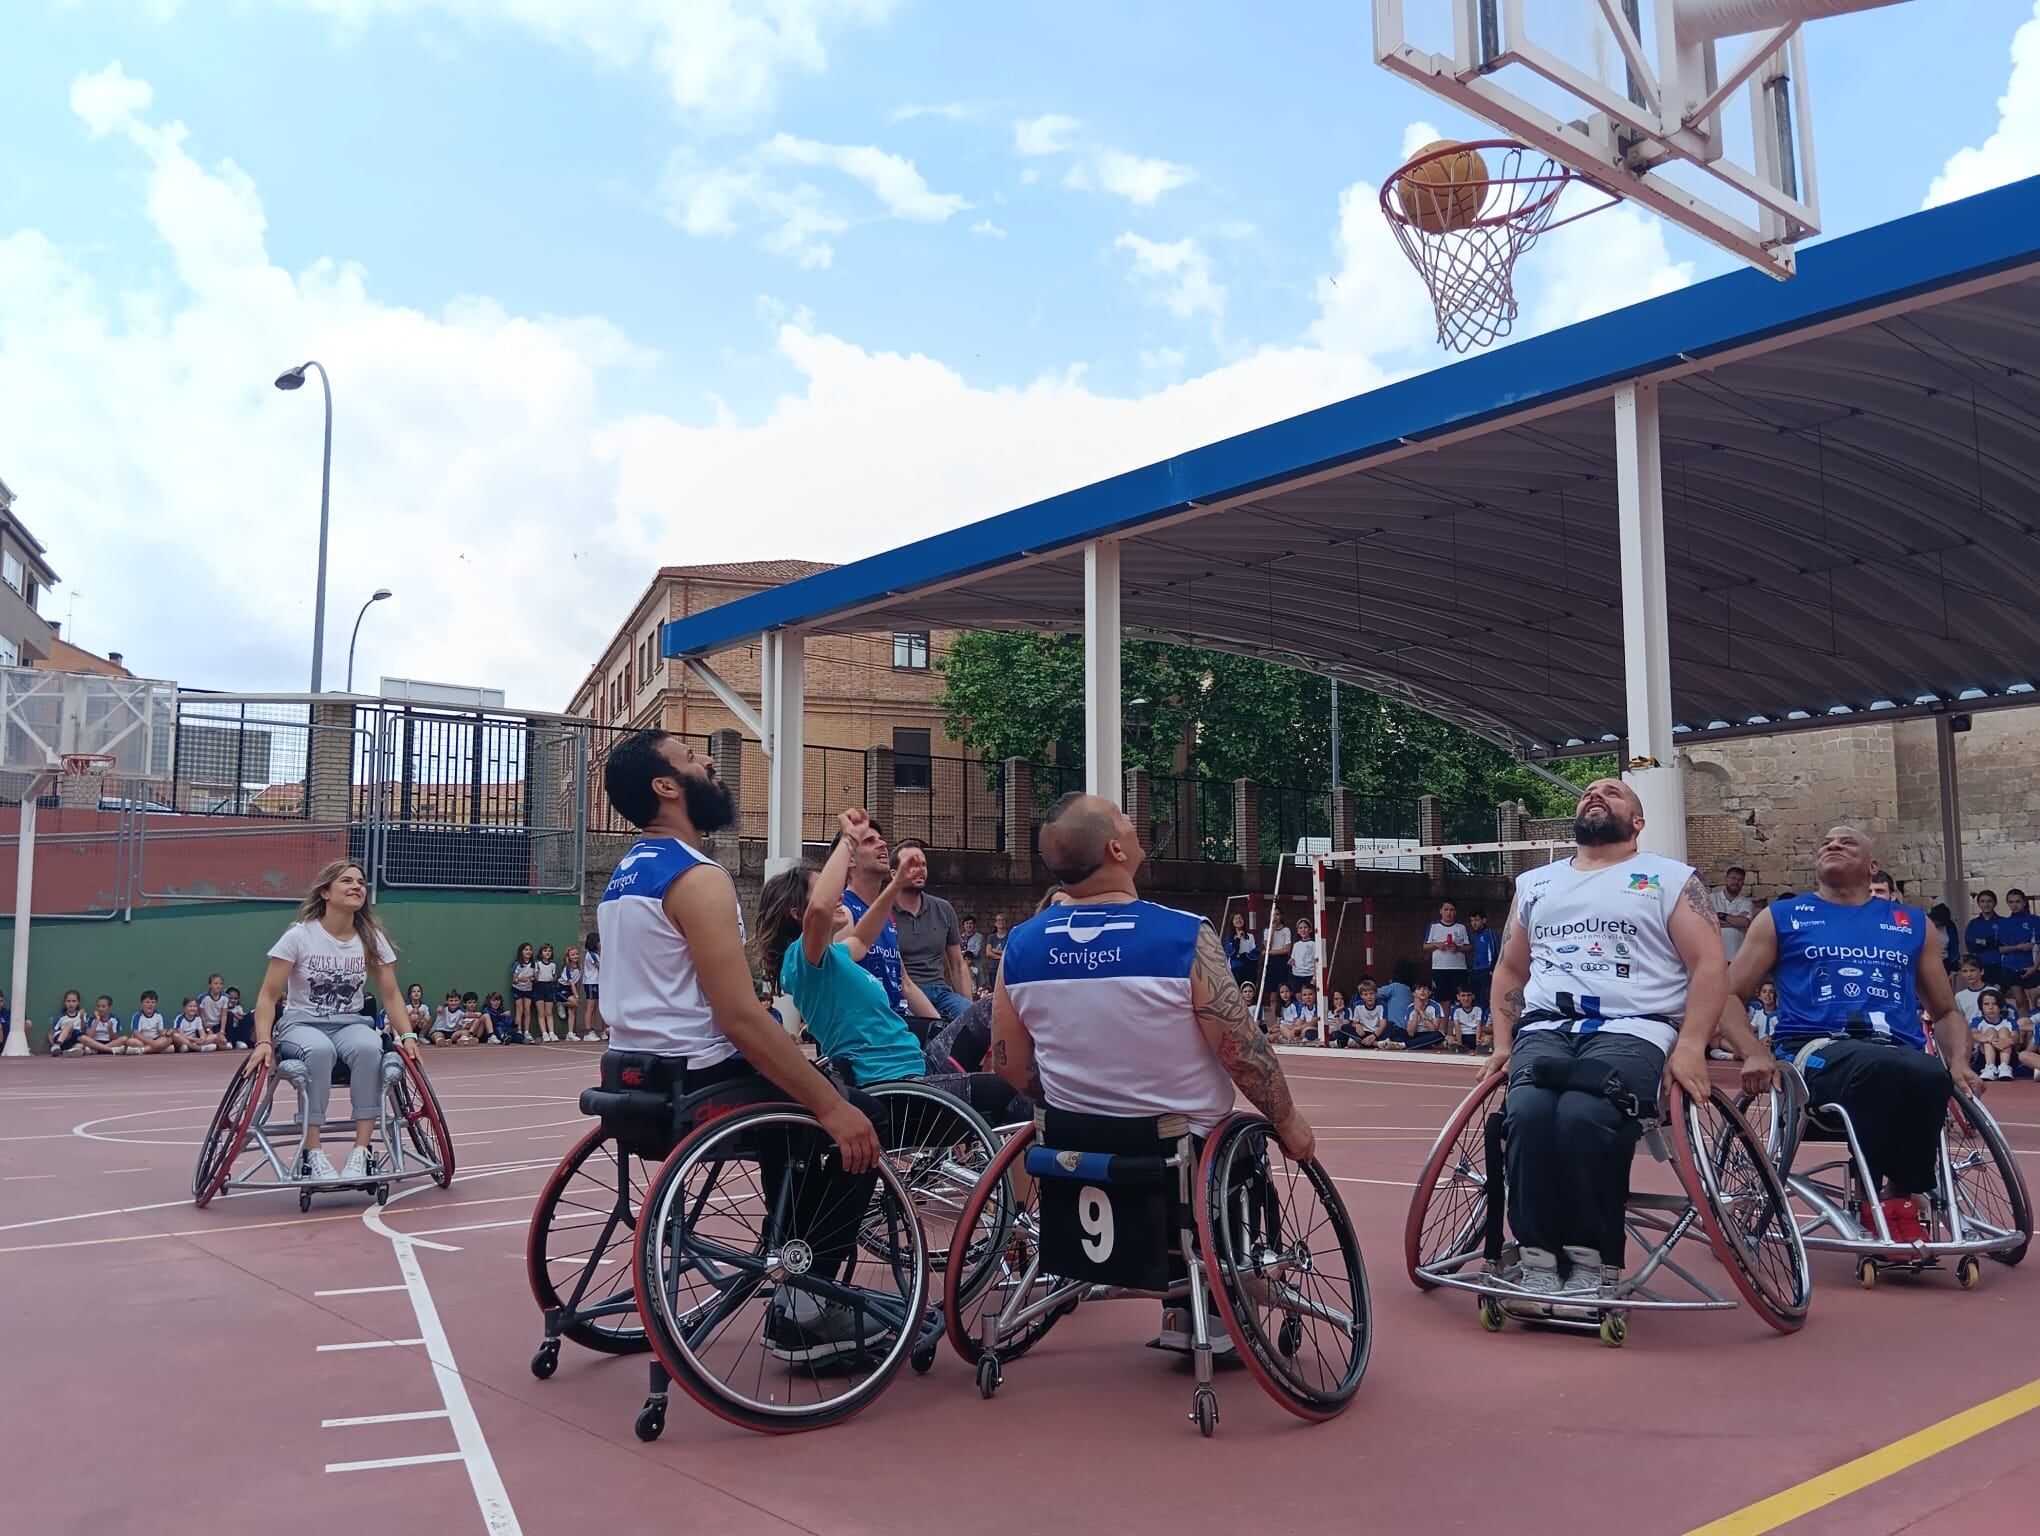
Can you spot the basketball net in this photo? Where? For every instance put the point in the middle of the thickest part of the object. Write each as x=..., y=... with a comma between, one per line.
x=1465, y=237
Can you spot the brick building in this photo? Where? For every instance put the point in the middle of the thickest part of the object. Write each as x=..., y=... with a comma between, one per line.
x=873, y=701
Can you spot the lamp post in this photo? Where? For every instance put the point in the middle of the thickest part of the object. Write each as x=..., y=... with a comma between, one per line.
x=375, y=597
x=295, y=379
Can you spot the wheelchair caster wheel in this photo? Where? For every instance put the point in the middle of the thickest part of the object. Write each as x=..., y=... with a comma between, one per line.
x=1204, y=1409
x=1866, y=1274
x=650, y=1422
x=1969, y=1271
x=1289, y=1338
x=1614, y=1329
x=547, y=1360
x=988, y=1376
x=382, y=1194
x=304, y=1201
x=1491, y=1315
x=922, y=1359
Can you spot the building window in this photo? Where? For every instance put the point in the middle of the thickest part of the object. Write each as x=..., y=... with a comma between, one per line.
x=13, y=571
x=10, y=653
x=911, y=768
x=910, y=651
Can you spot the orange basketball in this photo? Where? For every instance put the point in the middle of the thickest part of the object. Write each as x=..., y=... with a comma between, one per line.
x=1443, y=194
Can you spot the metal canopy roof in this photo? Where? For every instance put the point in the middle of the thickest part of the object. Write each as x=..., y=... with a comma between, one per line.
x=1851, y=514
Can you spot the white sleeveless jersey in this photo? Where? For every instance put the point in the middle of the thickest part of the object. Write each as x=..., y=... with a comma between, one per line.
x=1105, y=994
x=652, y=999
x=1601, y=951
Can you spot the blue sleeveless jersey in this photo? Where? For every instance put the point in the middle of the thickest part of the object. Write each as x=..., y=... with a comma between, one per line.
x=882, y=960
x=1848, y=970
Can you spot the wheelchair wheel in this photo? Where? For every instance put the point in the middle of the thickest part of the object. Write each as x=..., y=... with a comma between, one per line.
x=424, y=1122
x=994, y=1264
x=1448, y=1212
x=1743, y=1206
x=246, y=1093
x=940, y=1147
x=755, y=1290
x=577, y=1255
x=1988, y=1186
x=1284, y=1267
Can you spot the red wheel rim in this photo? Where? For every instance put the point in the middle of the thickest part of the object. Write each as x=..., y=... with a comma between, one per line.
x=429, y=1114
x=1471, y=1107
x=974, y=1207
x=1686, y=1160
x=534, y=1240
x=257, y=1075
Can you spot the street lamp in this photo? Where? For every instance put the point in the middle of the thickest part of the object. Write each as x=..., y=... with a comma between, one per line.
x=295, y=379
x=377, y=596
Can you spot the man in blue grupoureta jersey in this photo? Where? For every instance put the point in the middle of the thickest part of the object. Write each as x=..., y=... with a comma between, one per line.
x=872, y=883
x=1847, y=964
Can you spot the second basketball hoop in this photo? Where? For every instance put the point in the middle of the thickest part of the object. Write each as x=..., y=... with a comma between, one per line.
x=1465, y=214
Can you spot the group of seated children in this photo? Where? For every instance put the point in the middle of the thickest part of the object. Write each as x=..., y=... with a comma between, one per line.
x=1999, y=1028
x=466, y=1019
x=212, y=1021
x=1399, y=1017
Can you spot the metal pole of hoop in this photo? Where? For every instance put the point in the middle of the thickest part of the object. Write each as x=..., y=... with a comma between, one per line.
x=24, y=886
x=1317, y=933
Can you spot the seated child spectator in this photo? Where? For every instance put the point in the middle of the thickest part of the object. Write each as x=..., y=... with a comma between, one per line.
x=187, y=1030
x=1764, y=1012
x=102, y=1030
x=1470, y=1030
x=1337, y=1005
x=6, y=1020
x=1298, y=1023
x=1996, y=1037
x=417, y=1010
x=1969, y=986
x=149, y=1032
x=239, y=1021
x=1366, y=1020
x=502, y=1025
x=2029, y=1038
x=1423, y=1029
x=449, y=1025
x=67, y=1029
x=1251, y=996
x=212, y=1006
x=1395, y=997
x=1279, y=1005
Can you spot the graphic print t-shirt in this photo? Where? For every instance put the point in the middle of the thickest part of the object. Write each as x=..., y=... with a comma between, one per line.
x=327, y=975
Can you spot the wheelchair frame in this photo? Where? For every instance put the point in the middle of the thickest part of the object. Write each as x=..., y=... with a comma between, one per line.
x=1472, y=1253
x=411, y=1134
x=1007, y=1332
x=1833, y=1192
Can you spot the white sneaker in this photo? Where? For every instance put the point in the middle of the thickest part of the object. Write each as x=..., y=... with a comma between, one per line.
x=356, y=1166
x=1584, y=1279
x=573, y=1038
x=319, y=1168
x=1536, y=1277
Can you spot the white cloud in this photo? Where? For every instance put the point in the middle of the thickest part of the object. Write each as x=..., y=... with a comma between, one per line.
x=1163, y=359
x=109, y=99
x=709, y=200
x=987, y=229
x=1139, y=179
x=1415, y=136
x=892, y=180
x=1178, y=272
x=722, y=60
x=2013, y=151
x=955, y=111
x=1607, y=261
x=1048, y=135
x=1029, y=176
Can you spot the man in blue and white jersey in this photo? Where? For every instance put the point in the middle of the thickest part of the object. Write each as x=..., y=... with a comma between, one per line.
x=873, y=882
x=1850, y=987
x=1610, y=963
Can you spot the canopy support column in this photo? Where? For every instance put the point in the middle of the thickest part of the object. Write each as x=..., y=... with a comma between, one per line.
x=1653, y=767
x=1954, y=876
x=784, y=658
x=1102, y=746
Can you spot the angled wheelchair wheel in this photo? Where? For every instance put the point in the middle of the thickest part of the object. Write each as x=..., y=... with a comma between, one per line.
x=1448, y=1212
x=577, y=1255
x=940, y=1147
x=424, y=1122
x=1743, y=1206
x=1989, y=1189
x=994, y=1265
x=753, y=1281
x=1284, y=1267
x=247, y=1091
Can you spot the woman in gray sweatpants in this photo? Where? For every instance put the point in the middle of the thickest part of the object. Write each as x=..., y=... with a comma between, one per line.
x=309, y=1010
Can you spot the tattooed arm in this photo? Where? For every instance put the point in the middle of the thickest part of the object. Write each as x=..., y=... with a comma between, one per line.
x=1012, y=1046
x=1244, y=1052
x=1697, y=937
x=1512, y=975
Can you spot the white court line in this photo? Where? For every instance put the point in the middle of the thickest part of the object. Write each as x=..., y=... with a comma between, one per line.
x=487, y=1226
x=1343, y=1178
x=15, y=1178
x=118, y=1210
x=123, y=1170
x=334, y=1349
x=392, y=1461
x=384, y=1418
x=362, y=1290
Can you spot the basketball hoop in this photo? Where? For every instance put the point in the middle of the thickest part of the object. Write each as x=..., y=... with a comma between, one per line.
x=79, y=765
x=1464, y=214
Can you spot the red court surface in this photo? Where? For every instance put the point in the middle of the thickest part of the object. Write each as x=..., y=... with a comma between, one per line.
x=173, y=1370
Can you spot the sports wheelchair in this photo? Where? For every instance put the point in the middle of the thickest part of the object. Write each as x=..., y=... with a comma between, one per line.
x=724, y=1173
x=1079, y=1208
x=241, y=1146
x=1980, y=1207
x=1728, y=1194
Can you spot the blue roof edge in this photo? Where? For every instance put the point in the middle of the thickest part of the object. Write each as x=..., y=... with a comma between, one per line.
x=1937, y=248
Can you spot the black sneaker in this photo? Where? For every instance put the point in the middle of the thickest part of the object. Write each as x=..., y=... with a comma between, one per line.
x=823, y=1330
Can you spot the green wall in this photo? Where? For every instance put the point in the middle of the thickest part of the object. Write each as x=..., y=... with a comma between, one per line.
x=444, y=939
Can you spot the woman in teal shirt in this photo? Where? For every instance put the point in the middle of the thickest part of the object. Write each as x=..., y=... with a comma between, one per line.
x=806, y=939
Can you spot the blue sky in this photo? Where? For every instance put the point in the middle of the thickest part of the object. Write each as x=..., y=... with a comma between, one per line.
x=694, y=256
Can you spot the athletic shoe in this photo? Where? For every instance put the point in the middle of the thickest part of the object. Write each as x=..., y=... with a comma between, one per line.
x=1584, y=1279
x=1536, y=1277
x=573, y=1038
x=318, y=1167
x=1175, y=1335
x=356, y=1166
x=802, y=1330
x=1903, y=1218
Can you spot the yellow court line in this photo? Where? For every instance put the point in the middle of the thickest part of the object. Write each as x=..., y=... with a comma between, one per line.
x=1887, y=1461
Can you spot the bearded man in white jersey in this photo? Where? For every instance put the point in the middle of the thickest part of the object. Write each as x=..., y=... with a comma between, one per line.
x=1609, y=962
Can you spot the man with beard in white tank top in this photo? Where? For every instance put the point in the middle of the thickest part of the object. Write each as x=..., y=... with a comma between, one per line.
x=1609, y=962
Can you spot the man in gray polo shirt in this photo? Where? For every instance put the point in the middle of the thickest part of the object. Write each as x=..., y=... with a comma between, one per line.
x=931, y=941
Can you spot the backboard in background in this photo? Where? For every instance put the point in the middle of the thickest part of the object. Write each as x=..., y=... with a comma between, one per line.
x=45, y=715
x=1697, y=109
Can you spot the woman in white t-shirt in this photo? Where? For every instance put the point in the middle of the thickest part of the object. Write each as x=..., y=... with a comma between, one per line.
x=317, y=975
